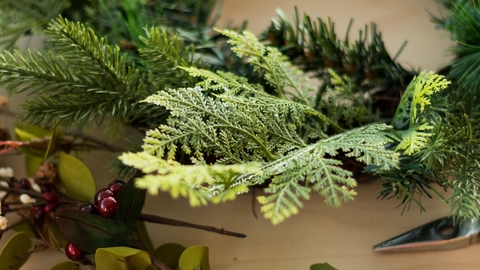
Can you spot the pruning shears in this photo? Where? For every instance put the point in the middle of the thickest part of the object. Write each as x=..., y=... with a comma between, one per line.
x=440, y=234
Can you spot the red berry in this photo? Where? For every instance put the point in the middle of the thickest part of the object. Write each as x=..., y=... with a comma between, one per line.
x=23, y=184
x=73, y=253
x=50, y=197
x=116, y=186
x=107, y=207
x=102, y=193
x=38, y=211
x=89, y=208
x=50, y=207
x=45, y=188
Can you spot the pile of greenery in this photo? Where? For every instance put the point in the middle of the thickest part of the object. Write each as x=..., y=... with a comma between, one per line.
x=223, y=111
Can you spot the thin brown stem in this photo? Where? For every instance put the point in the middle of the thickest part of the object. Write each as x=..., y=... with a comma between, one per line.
x=104, y=145
x=173, y=222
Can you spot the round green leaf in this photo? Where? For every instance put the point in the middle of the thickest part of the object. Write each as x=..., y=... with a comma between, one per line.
x=76, y=178
x=193, y=257
x=322, y=266
x=15, y=252
x=65, y=266
x=121, y=258
x=169, y=254
x=25, y=227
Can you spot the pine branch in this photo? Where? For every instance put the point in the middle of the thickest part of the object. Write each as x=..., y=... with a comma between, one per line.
x=314, y=165
x=163, y=55
x=22, y=16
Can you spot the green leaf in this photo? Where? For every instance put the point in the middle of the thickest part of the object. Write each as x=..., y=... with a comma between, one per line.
x=141, y=235
x=169, y=254
x=25, y=227
x=322, y=266
x=54, y=138
x=15, y=252
x=54, y=235
x=193, y=257
x=24, y=136
x=32, y=163
x=76, y=178
x=121, y=258
x=131, y=201
x=89, y=232
x=65, y=266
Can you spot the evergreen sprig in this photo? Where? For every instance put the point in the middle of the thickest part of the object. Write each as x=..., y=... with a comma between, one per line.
x=463, y=24
x=236, y=123
x=313, y=45
x=26, y=16
x=83, y=79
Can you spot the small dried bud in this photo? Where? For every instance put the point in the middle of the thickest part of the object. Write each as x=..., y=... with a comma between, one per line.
x=46, y=174
x=25, y=198
x=3, y=223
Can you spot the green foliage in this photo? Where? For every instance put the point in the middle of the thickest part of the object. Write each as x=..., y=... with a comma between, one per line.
x=234, y=122
x=194, y=257
x=169, y=253
x=16, y=251
x=314, y=46
x=83, y=79
x=416, y=97
x=322, y=266
x=200, y=183
x=76, y=177
x=121, y=258
x=89, y=232
x=21, y=17
x=463, y=24
x=416, y=119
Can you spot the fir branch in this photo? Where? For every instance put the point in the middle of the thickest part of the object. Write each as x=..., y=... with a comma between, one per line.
x=464, y=27
x=163, y=55
x=22, y=16
x=313, y=165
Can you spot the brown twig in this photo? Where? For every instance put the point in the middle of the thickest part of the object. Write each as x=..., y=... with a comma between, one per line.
x=173, y=222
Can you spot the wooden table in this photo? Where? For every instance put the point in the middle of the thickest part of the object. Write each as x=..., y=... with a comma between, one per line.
x=342, y=237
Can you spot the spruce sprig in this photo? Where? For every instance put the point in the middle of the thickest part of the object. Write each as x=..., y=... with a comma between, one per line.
x=83, y=79
x=22, y=16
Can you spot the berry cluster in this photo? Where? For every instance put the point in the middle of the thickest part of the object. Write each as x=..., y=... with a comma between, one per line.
x=51, y=202
x=105, y=205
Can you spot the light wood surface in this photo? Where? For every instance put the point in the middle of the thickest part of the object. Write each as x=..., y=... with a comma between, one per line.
x=342, y=237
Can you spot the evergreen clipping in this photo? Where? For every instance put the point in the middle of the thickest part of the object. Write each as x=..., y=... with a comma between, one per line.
x=219, y=118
